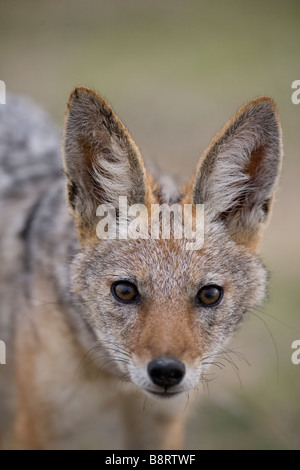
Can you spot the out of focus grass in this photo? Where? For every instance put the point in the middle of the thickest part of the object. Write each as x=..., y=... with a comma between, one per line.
x=175, y=72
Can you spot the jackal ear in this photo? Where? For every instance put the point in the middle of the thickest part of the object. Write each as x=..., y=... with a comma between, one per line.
x=101, y=161
x=237, y=175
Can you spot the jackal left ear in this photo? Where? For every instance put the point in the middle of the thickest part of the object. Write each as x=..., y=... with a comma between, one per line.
x=101, y=160
x=237, y=175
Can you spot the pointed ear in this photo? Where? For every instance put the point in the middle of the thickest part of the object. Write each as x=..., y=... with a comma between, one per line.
x=237, y=175
x=101, y=161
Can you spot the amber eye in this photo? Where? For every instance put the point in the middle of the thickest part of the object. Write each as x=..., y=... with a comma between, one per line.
x=210, y=295
x=124, y=291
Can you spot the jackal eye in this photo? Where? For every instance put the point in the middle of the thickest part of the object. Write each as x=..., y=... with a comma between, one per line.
x=210, y=295
x=124, y=291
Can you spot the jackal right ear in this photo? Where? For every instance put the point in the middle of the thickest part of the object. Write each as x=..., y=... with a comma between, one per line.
x=101, y=161
x=237, y=175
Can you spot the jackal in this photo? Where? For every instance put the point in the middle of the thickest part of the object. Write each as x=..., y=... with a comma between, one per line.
x=111, y=335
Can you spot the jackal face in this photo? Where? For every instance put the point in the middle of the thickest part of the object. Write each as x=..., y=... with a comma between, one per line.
x=159, y=310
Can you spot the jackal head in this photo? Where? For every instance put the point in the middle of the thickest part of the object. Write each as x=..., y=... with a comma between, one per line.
x=160, y=311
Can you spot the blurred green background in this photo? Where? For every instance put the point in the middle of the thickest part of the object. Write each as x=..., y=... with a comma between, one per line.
x=175, y=71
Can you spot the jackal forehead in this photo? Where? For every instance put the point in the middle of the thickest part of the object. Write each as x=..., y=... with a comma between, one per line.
x=162, y=265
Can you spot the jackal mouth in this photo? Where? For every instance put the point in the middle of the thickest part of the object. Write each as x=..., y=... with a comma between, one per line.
x=163, y=394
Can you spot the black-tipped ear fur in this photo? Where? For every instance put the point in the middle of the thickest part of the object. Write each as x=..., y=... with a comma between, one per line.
x=101, y=160
x=237, y=175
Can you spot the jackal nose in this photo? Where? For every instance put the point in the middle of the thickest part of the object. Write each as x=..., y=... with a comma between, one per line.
x=166, y=371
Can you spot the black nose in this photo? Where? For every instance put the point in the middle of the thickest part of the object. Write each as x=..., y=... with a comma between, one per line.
x=166, y=371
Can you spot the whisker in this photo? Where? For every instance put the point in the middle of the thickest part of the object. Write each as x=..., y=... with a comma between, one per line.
x=224, y=355
x=187, y=401
x=273, y=341
x=220, y=365
x=278, y=320
x=239, y=355
x=102, y=350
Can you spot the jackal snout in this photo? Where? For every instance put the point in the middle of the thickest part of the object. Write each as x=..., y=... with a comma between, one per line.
x=166, y=371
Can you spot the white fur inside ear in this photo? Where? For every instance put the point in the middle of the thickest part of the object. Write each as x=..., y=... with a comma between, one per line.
x=238, y=174
x=225, y=180
x=229, y=180
x=101, y=161
x=111, y=172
